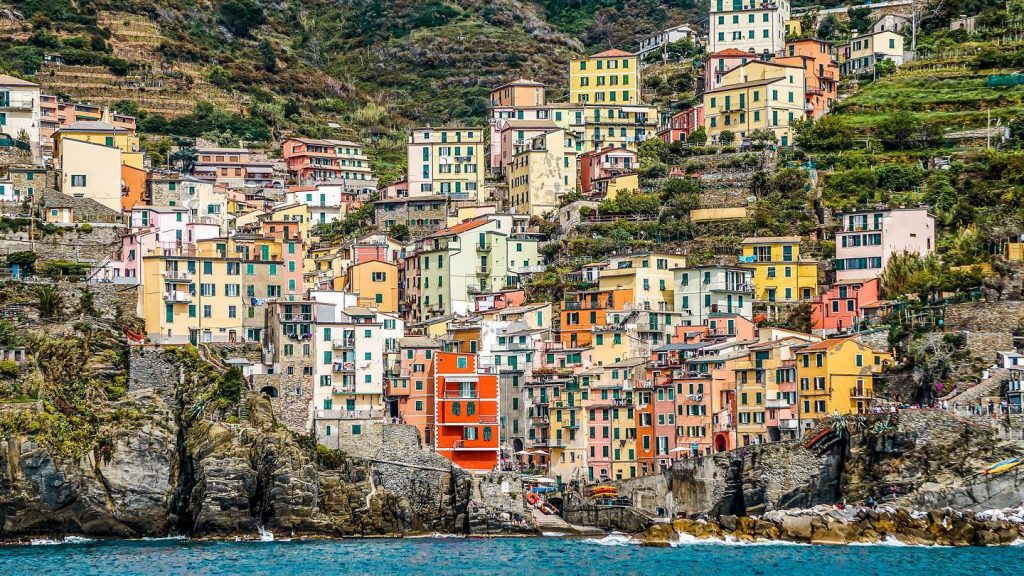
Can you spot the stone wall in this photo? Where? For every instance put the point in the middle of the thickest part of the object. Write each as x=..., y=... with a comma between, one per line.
x=11, y=155
x=84, y=209
x=153, y=369
x=294, y=397
x=877, y=339
x=985, y=316
x=408, y=214
x=648, y=493
x=73, y=245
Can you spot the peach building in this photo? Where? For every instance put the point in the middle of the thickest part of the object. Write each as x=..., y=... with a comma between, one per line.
x=605, y=163
x=412, y=390
x=821, y=72
x=867, y=239
x=842, y=305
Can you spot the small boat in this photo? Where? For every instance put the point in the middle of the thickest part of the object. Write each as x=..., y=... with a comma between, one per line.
x=990, y=468
x=1004, y=466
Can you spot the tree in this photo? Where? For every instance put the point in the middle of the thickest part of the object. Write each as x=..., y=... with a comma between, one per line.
x=726, y=137
x=698, y=137
x=899, y=131
x=26, y=260
x=269, y=56
x=49, y=301
x=860, y=19
x=829, y=27
x=185, y=158
x=399, y=232
x=241, y=16
x=129, y=107
x=884, y=67
x=827, y=134
x=763, y=136
x=87, y=302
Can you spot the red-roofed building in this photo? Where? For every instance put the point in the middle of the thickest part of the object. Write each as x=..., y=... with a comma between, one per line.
x=718, y=64
x=315, y=160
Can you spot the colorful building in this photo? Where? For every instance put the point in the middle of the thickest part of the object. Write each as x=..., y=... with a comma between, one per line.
x=101, y=134
x=837, y=376
x=706, y=290
x=781, y=274
x=465, y=412
x=842, y=306
x=605, y=163
x=821, y=71
x=446, y=162
x=234, y=167
x=757, y=95
x=19, y=110
x=411, y=390
x=313, y=160
x=541, y=173
x=582, y=311
x=681, y=124
x=606, y=77
x=861, y=54
x=753, y=26
x=375, y=282
x=868, y=239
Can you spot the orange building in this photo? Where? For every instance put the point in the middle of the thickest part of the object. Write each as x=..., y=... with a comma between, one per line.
x=465, y=412
x=581, y=311
x=411, y=391
x=820, y=70
x=133, y=182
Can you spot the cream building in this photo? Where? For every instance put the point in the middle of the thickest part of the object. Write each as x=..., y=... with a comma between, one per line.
x=446, y=162
x=19, y=109
x=757, y=95
x=93, y=171
x=757, y=26
x=541, y=173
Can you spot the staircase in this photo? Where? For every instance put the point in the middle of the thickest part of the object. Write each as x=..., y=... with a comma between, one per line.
x=965, y=399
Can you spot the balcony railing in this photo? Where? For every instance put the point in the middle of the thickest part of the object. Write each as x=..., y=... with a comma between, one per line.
x=483, y=246
x=483, y=269
x=461, y=394
x=176, y=276
x=861, y=393
x=343, y=342
x=296, y=317
x=177, y=297
x=349, y=414
x=344, y=366
x=20, y=104
x=344, y=388
x=788, y=424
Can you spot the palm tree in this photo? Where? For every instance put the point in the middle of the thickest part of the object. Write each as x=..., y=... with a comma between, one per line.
x=50, y=301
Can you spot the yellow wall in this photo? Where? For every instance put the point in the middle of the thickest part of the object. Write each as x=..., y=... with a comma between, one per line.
x=605, y=80
x=538, y=179
x=100, y=166
x=381, y=293
x=127, y=142
x=782, y=272
x=841, y=376
x=741, y=108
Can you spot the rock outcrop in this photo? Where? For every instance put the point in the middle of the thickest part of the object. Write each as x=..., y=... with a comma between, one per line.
x=829, y=525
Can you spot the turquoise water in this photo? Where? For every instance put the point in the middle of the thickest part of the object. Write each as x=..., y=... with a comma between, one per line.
x=523, y=556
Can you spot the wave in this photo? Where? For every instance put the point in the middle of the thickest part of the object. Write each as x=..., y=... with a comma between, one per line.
x=614, y=539
x=65, y=540
x=165, y=538
x=437, y=535
x=553, y=534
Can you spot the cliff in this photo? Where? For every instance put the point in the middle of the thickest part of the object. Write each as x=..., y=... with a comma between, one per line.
x=190, y=463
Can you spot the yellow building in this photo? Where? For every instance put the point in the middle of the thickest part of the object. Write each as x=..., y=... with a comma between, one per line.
x=567, y=442
x=649, y=276
x=609, y=187
x=521, y=92
x=609, y=76
x=376, y=284
x=781, y=274
x=105, y=135
x=757, y=95
x=447, y=162
x=213, y=292
x=837, y=376
x=541, y=173
x=766, y=391
x=794, y=28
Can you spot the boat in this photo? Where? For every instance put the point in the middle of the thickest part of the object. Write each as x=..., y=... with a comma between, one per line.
x=1004, y=466
x=991, y=467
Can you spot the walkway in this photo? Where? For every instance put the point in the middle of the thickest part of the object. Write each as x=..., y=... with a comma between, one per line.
x=554, y=523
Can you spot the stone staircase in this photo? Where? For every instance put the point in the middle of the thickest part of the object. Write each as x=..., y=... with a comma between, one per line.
x=962, y=402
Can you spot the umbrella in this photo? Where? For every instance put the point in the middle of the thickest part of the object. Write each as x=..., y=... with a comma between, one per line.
x=545, y=480
x=540, y=452
x=522, y=453
x=679, y=449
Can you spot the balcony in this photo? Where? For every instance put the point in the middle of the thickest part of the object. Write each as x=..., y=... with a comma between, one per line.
x=344, y=366
x=177, y=297
x=349, y=388
x=177, y=277
x=296, y=317
x=26, y=105
x=349, y=414
x=483, y=246
x=343, y=343
x=777, y=403
x=527, y=269
x=483, y=270
x=556, y=443
x=788, y=424
x=461, y=395
x=861, y=393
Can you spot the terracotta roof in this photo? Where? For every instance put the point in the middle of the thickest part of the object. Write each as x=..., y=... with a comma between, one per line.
x=741, y=86
x=539, y=123
x=459, y=228
x=612, y=53
x=826, y=344
x=733, y=52
x=771, y=240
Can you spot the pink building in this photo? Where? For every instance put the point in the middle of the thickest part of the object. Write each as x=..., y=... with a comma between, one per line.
x=721, y=62
x=287, y=232
x=842, y=305
x=315, y=160
x=682, y=124
x=155, y=227
x=411, y=391
x=867, y=239
x=516, y=135
x=605, y=163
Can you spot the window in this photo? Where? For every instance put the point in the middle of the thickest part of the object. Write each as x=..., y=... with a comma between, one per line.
x=462, y=362
x=78, y=180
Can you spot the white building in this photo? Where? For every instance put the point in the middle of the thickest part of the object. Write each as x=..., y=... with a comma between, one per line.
x=706, y=290
x=206, y=203
x=327, y=202
x=8, y=193
x=869, y=238
x=19, y=109
x=757, y=26
x=666, y=37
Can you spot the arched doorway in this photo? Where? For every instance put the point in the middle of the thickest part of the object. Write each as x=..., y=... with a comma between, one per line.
x=517, y=444
x=270, y=391
x=721, y=442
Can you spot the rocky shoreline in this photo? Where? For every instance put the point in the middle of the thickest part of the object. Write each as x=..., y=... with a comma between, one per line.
x=832, y=526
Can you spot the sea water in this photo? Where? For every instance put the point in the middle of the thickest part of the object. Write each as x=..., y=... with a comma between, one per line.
x=607, y=556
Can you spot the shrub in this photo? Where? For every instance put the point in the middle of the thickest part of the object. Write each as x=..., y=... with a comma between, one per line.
x=9, y=369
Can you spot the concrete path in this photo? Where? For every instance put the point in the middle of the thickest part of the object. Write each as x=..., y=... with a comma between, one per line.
x=554, y=523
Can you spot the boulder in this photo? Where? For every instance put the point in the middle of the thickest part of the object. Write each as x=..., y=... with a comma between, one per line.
x=828, y=535
x=796, y=528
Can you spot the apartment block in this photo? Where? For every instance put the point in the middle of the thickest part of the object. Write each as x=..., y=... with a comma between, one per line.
x=861, y=54
x=868, y=239
x=781, y=274
x=753, y=26
x=466, y=412
x=703, y=291
x=312, y=160
x=446, y=162
x=19, y=110
x=757, y=95
x=612, y=76
x=541, y=173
